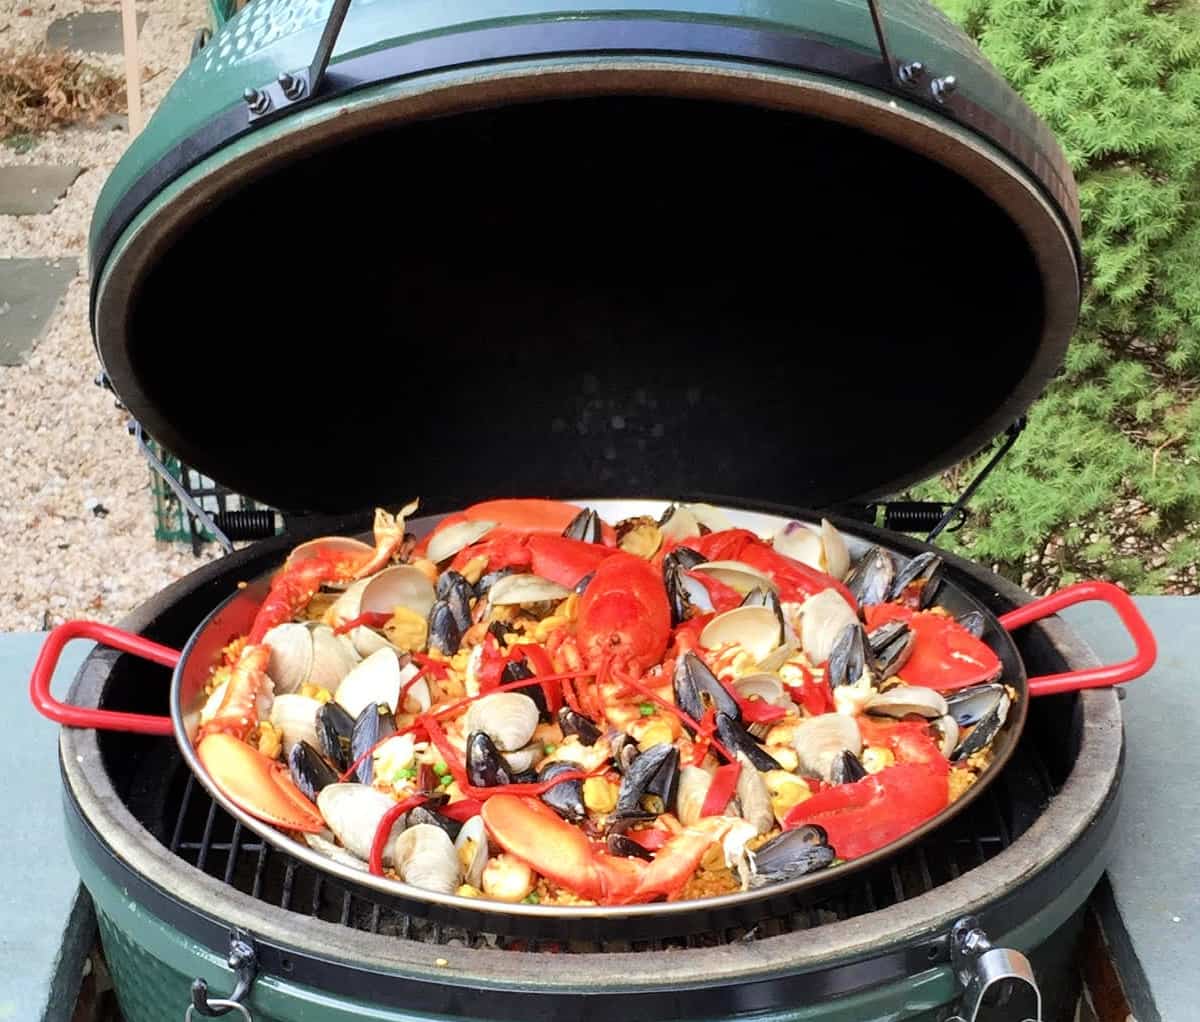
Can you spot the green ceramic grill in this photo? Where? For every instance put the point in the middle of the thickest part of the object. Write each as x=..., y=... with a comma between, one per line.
x=771, y=253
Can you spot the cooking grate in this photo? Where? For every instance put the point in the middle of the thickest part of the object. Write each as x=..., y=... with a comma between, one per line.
x=208, y=838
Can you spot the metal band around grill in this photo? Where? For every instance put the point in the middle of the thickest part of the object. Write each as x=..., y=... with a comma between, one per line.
x=790, y=50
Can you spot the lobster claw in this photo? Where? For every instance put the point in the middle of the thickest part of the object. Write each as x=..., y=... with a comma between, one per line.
x=260, y=786
x=565, y=560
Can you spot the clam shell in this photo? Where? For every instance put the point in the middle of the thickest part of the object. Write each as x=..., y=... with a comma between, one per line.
x=766, y=687
x=523, y=759
x=822, y=618
x=334, y=657
x=516, y=589
x=473, y=830
x=694, y=783
x=353, y=813
x=291, y=656
x=948, y=730
x=322, y=843
x=453, y=538
x=737, y=575
x=753, y=797
x=712, y=518
x=346, y=608
x=801, y=542
x=774, y=660
x=401, y=585
x=329, y=544
x=376, y=680
x=819, y=740
x=679, y=523
x=837, y=557
x=508, y=718
x=425, y=857
x=905, y=699
x=755, y=629
x=296, y=717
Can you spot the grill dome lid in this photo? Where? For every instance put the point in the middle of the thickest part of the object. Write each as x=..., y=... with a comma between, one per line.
x=690, y=248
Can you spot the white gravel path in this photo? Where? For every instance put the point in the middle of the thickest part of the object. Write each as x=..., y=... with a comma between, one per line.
x=63, y=442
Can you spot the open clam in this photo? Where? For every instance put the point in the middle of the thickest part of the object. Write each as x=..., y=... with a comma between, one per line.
x=471, y=846
x=678, y=523
x=766, y=687
x=905, y=699
x=823, y=616
x=307, y=653
x=738, y=576
x=447, y=542
x=507, y=718
x=380, y=679
x=425, y=857
x=818, y=546
x=296, y=718
x=512, y=590
x=755, y=629
x=820, y=740
x=401, y=585
x=353, y=812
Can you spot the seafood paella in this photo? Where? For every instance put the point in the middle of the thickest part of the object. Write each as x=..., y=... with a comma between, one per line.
x=531, y=704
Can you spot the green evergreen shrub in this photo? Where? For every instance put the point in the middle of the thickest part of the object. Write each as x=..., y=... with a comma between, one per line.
x=1106, y=478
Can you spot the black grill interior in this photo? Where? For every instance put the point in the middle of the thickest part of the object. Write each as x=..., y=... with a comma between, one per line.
x=152, y=780
x=617, y=294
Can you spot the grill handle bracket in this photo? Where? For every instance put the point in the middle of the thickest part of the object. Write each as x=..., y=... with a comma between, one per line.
x=243, y=960
x=997, y=984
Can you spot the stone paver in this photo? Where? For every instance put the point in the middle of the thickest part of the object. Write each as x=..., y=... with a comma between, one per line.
x=30, y=290
x=34, y=189
x=89, y=32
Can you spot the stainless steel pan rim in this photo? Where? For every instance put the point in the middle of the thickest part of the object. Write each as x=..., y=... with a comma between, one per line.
x=611, y=510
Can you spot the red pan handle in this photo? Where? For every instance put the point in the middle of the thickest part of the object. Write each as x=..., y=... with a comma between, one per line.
x=1146, y=649
x=77, y=716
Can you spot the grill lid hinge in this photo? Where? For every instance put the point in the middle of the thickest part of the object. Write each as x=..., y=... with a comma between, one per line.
x=997, y=984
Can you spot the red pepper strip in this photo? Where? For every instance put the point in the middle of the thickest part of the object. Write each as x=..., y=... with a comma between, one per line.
x=759, y=711
x=491, y=663
x=539, y=661
x=385, y=829
x=651, y=839
x=720, y=791
x=434, y=668
x=654, y=697
x=368, y=618
x=462, y=810
x=868, y=814
x=407, y=685
x=687, y=635
x=704, y=733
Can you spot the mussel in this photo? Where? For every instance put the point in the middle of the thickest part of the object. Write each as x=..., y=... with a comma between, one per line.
x=987, y=727
x=566, y=797
x=697, y=688
x=850, y=657
x=974, y=622
x=794, y=853
x=373, y=725
x=309, y=770
x=970, y=705
x=891, y=644
x=846, y=768
x=650, y=784
x=518, y=670
x=917, y=582
x=457, y=592
x=585, y=526
x=572, y=723
x=485, y=583
x=739, y=741
x=621, y=844
x=760, y=596
x=871, y=578
x=485, y=766
x=445, y=633
x=423, y=814
x=335, y=733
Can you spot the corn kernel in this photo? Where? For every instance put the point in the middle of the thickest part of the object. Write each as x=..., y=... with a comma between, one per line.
x=875, y=759
x=467, y=891
x=407, y=629
x=655, y=733
x=599, y=795
x=321, y=695
x=713, y=858
x=785, y=756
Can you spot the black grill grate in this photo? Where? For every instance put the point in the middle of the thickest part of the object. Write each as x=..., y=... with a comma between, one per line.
x=208, y=838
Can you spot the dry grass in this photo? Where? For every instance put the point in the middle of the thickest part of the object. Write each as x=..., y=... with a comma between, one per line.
x=43, y=91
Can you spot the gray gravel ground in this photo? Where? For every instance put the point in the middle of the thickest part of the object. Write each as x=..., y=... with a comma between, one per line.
x=64, y=443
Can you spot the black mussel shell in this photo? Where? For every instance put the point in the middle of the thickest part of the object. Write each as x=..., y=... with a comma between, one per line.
x=846, y=768
x=982, y=733
x=650, y=784
x=891, y=645
x=761, y=596
x=697, y=688
x=374, y=724
x=525, y=777
x=572, y=723
x=922, y=573
x=450, y=580
x=335, y=732
x=871, y=578
x=737, y=739
x=681, y=595
x=619, y=844
x=444, y=633
x=566, y=797
x=490, y=579
x=794, y=853
x=309, y=770
x=685, y=557
x=457, y=593
x=499, y=629
x=849, y=656
x=585, y=526
x=485, y=766
x=423, y=814
x=518, y=670
x=583, y=583
x=970, y=705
